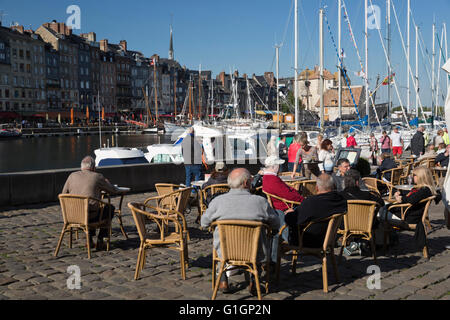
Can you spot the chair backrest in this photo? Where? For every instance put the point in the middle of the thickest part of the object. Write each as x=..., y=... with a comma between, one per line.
x=161, y=216
x=308, y=188
x=371, y=184
x=75, y=208
x=216, y=188
x=359, y=217
x=239, y=239
x=333, y=225
x=427, y=207
x=164, y=189
x=183, y=199
x=271, y=197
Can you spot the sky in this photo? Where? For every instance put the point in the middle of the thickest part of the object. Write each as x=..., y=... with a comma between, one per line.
x=241, y=34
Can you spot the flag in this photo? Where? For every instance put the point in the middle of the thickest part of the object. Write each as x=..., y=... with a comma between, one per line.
x=388, y=79
x=153, y=61
x=71, y=116
x=87, y=112
x=103, y=114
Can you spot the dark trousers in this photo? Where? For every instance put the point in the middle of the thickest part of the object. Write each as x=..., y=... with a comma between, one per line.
x=94, y=217
x=291, y=167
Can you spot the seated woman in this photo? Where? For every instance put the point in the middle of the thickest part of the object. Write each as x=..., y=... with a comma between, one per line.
x=424, y=188
x=386, y=163
x=218, y=176
x=326, y=156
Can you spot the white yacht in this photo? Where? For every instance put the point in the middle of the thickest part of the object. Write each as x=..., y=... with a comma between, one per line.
x=118, y=156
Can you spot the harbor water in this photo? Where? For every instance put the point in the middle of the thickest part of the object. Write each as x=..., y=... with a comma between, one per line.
x=62, y=152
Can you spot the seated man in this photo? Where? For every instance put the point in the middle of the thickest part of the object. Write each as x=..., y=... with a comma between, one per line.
x=239, y=204
x=386, y=163
x=442, y=158
x=273, y=184
x=343, y=166
x=89, y=183
x=325, y=203
x=429, y=153
x=353, y=192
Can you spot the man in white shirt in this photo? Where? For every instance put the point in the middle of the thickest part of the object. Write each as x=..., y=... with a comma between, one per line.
x=397, y=143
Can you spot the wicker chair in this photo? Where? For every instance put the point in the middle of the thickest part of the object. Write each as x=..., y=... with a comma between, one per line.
x=75, y=212
x=284, y=174
x=373, y=183
x=407, y=168
x=166, y=188
x=409, y=227
x=307, y=187
x=289, y=203
x=211, y=190
x=164, y=218
x=239, y=243
x=396, y=174
x=175, y=201
x=359, y=222
x=284, y=248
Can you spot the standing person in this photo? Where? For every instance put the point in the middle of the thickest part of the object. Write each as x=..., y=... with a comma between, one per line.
x=326, y=156
x=446, y=137
x=89, y=183
x=192, y=154
x=418, y=142
x=344, y=140
x=351, y=141
x=397, y=143
x=308, y=154
x=292, y=153
x=319, y=141
x=386, y=143
x=283, y=152
x=373, y=148
x=239, y=204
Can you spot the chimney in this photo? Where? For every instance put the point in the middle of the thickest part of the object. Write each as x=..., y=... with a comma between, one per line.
x=104, y=45
x=221, y=78
x=18, y=28
x=123, y=45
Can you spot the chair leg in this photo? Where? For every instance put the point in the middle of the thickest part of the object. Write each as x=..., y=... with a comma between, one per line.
x=258, y=287
x=214, y=267
x=183, y=265
x=88, y=243
x=60, y=240
x=425, y=252
x=70, y=238
x=344, y=243
x=277, y=270
x=294, y=263
x=374, y=249
x=333, y=262
x=138, y=263
x=216, y=287
x=108, y=244
x=119, y=216
x=325, y=274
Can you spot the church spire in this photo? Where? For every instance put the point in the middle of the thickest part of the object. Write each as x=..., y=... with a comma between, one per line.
x=171, y=45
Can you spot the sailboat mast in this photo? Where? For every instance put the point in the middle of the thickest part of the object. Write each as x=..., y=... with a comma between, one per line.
x=417, y=71
x=199, y=93
x=212, y=98
x=277, y=49
x=433, y=84
x=367, y=65
x=190, y=99
x=340, y=64
x=408, y=55
x=296, y=65
x=99, y=118
x=156, y=91
x=389, y=70
x=321, y=84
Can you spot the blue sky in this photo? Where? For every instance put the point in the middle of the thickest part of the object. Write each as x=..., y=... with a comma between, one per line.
x=241, y=34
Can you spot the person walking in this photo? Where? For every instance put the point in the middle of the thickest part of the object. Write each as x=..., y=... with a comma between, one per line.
x=292, y=152
x=386, y=143
x=418, y=142
x=351, y=141
x=192, y=155
x=373, y=148
x=397, y=143
x=446, y=137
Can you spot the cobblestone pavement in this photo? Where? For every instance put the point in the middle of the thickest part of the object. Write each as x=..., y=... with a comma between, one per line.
x=28, y=269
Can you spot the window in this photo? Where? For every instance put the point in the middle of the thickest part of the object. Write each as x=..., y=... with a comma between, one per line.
x=2, y=46
x=6, y=93
x=87, y=84
x=14, y=51
x=21, y=53
x=82, y=84
x=2, y=56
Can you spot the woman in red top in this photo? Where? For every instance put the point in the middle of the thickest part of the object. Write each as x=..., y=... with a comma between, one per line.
x=273, y=184
x=292, y=152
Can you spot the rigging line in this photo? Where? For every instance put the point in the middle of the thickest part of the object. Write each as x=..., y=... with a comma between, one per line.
x=347, y=19
x=288, y=22
x=388, y=60
x=441, y=49
x=410, y=74
x=342, y=68
x=307, y=52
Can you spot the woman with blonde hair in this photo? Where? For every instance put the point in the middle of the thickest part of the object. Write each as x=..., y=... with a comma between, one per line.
x=423, y=188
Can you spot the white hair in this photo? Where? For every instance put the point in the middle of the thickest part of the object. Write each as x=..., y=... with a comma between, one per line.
x=88, y=163
x=237, y=178
x=325, y=183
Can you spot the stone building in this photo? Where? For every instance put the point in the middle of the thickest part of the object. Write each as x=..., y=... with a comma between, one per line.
x=107, y=78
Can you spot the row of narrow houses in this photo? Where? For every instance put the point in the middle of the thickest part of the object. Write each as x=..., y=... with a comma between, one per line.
x=52, y=70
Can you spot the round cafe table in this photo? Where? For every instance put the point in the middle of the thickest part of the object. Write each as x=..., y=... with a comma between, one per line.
x=404, y=187
x=121, y=191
